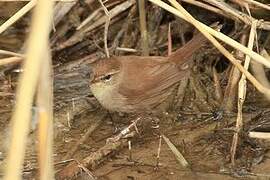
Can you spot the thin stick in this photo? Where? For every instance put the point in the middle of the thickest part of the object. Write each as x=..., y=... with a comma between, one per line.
x=10, y=60
x=17, y=15
x=181, y=12
x=256, y=3
x=180, y=158
x=255, y=56
x=30, y=0
x=259, y=135
x=38, y=39
x=126, y=49
x=106, y=28
x=89, y=18
x=242, y=87
x=90, y=130
x=5, y=52
x=129, y=151
x=231, y=11
x=144, y=34
x=169, y=40
x=209, y=7
x=259, y=72
x=45, y=130
x=159, y=149
x=80, y=34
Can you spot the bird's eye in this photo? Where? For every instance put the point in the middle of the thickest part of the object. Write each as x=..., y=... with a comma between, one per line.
x=107, y=77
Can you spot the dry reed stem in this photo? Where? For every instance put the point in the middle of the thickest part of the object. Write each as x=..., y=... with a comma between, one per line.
x=234, y=76
x=169, y=40
x=208, y=7
x=17, y=15
x=255, y=56
x=143, y=28
x=30, y=0
x=158, y=151
x=218, y=90
x=61, y=9
x=5, y=52
x=89, y=18
x=256, y=3
x=259, y=72
x=95, y=15
x=229, y=10
x=78, y=36
x=126, y=49
x=45, y=130
x=181, y=12
x=90, y=130
x=243, y=17
x=22, y=12
x=259, y=135
x=10, y=60
x=37, y=42
x=242, y=87
x=175, y=151
x=106, y=28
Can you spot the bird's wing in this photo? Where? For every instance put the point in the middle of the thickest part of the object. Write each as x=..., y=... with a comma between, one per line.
x=149, y=79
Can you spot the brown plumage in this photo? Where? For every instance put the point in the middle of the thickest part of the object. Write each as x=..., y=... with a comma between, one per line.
x=137, y=83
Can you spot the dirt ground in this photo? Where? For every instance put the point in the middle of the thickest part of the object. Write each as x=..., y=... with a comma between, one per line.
x=203, y=139
x=196, y=120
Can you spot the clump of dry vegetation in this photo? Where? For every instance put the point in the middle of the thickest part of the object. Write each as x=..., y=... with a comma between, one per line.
x=216, y=123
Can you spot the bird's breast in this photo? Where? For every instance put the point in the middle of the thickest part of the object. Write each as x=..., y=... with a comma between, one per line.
x=109, y=97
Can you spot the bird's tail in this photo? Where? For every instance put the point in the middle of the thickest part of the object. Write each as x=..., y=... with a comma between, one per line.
x=185, y=53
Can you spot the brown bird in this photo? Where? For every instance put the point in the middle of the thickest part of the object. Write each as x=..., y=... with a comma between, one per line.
x=138, y=83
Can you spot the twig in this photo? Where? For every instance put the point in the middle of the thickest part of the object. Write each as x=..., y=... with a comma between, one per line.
x=175, y=151
x=259, y=135
x=89, y=18
x=218, y=90
x=255, y=56
x=94, y=15
x=45, y=130
x=125, y=131
x=5, y=52
x=10, y=60
x=169, y=40
x=210, y=8
x=78, y=36
x=30, y=0
x=144, y=34
x=17, y=15
x=129, y=151
x=38, y=41
x=207, y=31
x=256, y=3
x=229, y=10
x=259, y=72
x=126, y=49
x=89, y=173
x=242, y=95
x=99, y=156
x=61, y=9
x=106, y=28
x=6, y=94
x=90, y=130
x=245, y=18
x=158, y=151
x=233, y=80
